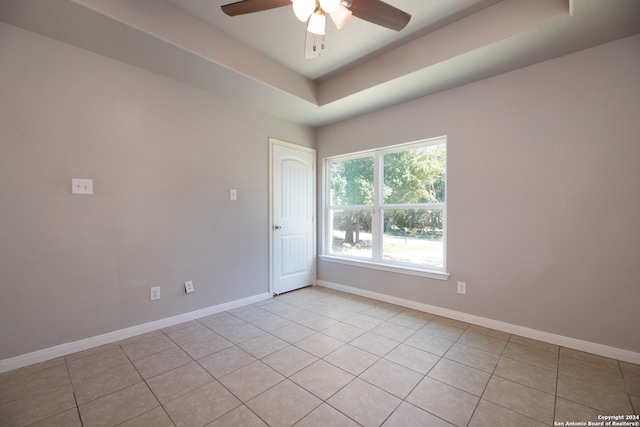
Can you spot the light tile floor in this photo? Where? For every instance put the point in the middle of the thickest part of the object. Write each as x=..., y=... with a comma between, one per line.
x=317, y=357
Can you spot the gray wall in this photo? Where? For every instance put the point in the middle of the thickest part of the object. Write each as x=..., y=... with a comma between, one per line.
x=162, y=156
x=543, y=195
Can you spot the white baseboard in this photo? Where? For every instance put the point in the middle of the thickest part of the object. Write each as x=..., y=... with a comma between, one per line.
x=576, y=344
x=85, y=344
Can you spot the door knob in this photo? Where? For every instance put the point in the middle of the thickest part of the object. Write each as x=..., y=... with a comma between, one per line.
x=277, y=227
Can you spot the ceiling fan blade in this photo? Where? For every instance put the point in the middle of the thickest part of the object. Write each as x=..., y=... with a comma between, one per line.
x=380, y=13
x=250, y=6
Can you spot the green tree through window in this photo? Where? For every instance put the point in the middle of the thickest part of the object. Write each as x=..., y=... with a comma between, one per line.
x=389, y=205
x=352, y=185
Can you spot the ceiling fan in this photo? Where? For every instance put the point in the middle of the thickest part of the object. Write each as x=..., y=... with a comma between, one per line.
x=314, y=13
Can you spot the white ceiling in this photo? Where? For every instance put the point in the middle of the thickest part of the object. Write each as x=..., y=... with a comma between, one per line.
x=258, y=59
x=278, y=34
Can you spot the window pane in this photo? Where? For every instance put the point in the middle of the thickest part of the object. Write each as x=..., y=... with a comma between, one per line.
x=414, y=236
x=352, y=182
x=415, y=176
x=351, y=232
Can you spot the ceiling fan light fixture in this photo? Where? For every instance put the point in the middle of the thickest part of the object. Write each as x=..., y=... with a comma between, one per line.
x=317, y=23
x=341, y=16
x=329, y=6
x=303, y=9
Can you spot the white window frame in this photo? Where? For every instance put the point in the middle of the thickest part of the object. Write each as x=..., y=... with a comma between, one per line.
x=377, y=261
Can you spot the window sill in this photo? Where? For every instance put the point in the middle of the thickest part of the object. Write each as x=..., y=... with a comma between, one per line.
x=431, y=274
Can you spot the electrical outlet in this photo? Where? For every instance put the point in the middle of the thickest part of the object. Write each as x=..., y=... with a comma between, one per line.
x=462, y=288
x=188, y=286
x=155, y=293
x=81, y=186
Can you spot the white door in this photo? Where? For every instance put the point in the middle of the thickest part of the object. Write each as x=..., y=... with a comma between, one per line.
x=293, y=213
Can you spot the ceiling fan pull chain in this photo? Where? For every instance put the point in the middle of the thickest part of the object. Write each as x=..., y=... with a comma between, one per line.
x=315, y=44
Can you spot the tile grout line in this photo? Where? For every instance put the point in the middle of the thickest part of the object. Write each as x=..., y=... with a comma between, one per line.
x=160, y=405
x=75, y=398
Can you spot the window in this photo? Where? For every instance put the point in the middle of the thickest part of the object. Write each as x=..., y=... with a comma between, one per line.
x=388, y=207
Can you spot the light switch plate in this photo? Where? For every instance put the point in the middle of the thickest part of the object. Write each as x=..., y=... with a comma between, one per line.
x=233, y=194
x=462, y=288
x=81, y=186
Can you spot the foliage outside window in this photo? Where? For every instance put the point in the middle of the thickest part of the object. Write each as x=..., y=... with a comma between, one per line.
x=388, y=206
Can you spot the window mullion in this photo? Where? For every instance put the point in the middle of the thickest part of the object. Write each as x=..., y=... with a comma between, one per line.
x=378, y=195
x=353, y=207
x=415, y=206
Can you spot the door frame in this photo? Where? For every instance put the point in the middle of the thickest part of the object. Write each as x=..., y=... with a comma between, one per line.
x=314, y=254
